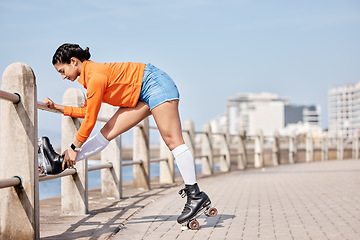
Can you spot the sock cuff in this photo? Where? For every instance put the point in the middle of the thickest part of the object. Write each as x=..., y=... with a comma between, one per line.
x=101, y=139
x=179, y=150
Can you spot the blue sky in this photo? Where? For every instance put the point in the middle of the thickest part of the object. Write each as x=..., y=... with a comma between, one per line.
x=212, y=49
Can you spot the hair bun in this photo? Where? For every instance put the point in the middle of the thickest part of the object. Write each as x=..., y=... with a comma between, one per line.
x=87, y=54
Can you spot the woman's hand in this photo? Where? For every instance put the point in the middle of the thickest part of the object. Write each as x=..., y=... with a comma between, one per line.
x=69, y=158
x=49, y=103
x=53, y=105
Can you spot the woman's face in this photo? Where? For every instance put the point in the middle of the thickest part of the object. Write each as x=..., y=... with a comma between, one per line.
x=68, y=71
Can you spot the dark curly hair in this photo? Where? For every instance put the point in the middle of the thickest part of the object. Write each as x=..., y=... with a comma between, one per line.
x=66, y=51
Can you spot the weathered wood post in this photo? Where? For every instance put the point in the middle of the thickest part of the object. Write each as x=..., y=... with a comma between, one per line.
x=141, y=152
x=276, y=149
x=355, y=146
x=207, y=150
x=309, y=147
x=340, y=148
x=292, y=148
x=242, y=159
x=225, y=150
x=111, y=181
x=325, y=148
x=259, y=150
x=74, y=189
x=19, y=206
x=167, y=168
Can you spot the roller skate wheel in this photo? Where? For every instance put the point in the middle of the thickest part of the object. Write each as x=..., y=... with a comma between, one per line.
x=194, y=225
x=212, y=212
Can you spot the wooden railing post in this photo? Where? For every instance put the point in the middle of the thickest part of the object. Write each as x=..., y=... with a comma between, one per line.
x=19, y=206
x=207, y=150
x=111, y=182
x=242, y=159
x=167, y=168
x=276, y=149
x=355, y=146
x=325, y=148
x=259, y=150
x=292, y=148
x=141, y=152
x=309, y=147
x=340, y=148
x=74, y=189
x=225, y=150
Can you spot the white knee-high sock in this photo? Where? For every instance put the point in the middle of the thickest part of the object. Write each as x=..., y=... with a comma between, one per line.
x=92, y=146
x=185, y=163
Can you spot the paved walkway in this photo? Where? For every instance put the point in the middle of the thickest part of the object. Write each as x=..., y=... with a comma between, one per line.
x=303, y=201
x=319, y=200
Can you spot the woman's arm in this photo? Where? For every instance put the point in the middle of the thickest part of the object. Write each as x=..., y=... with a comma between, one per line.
x=78, y=112
x=70, y=155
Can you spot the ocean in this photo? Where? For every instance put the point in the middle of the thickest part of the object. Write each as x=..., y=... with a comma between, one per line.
x=52, y=188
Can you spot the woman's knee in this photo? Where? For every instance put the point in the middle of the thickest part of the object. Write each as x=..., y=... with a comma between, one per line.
x=105, y=131
x=173, y=142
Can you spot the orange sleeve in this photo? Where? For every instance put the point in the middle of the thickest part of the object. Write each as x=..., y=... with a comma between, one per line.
x=78, y=112
x=95, y=91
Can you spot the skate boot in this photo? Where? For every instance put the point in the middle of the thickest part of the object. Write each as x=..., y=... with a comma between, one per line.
x=55, y=159
x=197, y=203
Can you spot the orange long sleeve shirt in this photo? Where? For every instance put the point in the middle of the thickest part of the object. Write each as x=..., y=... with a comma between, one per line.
x=118, y=84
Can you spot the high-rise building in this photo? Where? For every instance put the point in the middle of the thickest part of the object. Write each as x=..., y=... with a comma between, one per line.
x=344, y=110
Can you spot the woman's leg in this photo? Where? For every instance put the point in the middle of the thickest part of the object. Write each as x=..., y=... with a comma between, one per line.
x=120, y=122
x=167, y=119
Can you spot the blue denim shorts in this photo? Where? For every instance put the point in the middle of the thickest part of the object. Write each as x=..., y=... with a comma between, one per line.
x=157, y=87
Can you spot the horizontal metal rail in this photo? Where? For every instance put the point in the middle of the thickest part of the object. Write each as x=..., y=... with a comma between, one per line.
x=235, y=154
x=100, y=166
x=45, y=107
x=10, y=182
x=129, y=163
x=67, y=172
x=16, y=98
x=154, y=160
x=201, y=156
x=11, y=97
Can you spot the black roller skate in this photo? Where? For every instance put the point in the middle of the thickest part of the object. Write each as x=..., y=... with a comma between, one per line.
x=52, y=161
x=197, y=203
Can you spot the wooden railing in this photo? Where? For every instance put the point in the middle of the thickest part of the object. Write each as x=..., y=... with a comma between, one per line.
x=19, y=179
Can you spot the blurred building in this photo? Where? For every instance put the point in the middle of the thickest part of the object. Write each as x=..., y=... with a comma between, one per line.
x=300, y=113
x=253, y=112
x=344, y=110
x=269, y=113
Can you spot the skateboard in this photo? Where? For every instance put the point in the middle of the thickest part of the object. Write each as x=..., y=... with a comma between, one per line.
x=193, y=224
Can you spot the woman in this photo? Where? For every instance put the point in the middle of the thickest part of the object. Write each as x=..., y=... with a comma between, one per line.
x=139, y=90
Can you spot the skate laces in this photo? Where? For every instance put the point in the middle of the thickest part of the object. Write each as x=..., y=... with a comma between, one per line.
x=183, y=193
